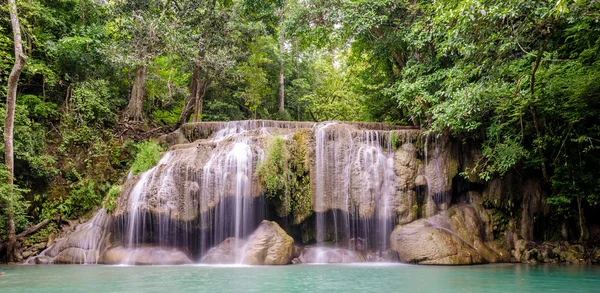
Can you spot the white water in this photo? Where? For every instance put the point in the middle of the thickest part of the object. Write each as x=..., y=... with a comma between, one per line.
x=354, y=187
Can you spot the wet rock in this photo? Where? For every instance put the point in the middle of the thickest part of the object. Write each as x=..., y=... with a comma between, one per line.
x=145, y=256
x=420, y=181
x=27, y=253
x=42, y=260
x=269, y=245
x=39, y=246
x=357, y=244
x=382, y=256
x=595, y=258
x=454, y=237
x=227, y=252
x=330, y=255
x=82, y=246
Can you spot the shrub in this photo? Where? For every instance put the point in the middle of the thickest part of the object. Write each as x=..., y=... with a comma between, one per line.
x=112, y=197
x=147, y=157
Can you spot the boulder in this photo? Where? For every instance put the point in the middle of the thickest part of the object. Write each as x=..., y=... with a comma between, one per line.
x=269, y=245
x=227, y=252
x=595, y=258
x=453, y=237
x=330, y=255
x=145, y=256
x=82, y=246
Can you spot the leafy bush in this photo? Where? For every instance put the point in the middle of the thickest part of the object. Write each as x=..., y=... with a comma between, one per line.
x=13, y=195
x=112, y=197
x=147, y=157
x=84, y=196
x=90, y=102
x=285, y=175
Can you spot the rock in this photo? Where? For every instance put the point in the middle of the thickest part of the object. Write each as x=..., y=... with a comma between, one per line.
x=595, y=258
x=520, y=247
x=39, y=246
x=42, y=260
x=145, y=256
x=227, y=252
x=420, y=181
x=27, y=253
x=453, y=237
x=82, y=246
x=577, y=250
x=419, y=242
x=382, y=256
x=269, y=245
x=330, y=255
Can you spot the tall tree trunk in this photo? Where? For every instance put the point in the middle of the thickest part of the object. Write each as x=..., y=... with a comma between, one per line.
x=11, y=99
x=534, y=69
x=188, y=107
x=202, y=87
x=281, y=63
x=134, y=111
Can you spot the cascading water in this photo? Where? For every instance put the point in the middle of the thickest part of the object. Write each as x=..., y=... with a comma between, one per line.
x=178, y=204
x=354, y=187
x=205, y=193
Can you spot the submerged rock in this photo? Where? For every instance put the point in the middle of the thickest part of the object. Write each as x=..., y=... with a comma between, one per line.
x=269, y=245
x=453, y=237
x=330, y=255
x=145, y=256
x=227, y=252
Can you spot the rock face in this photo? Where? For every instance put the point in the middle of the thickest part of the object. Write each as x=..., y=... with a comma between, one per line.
x=83, y=246
x=145, y=256
x=552, y=252
x=457, y=236
x=330, y=255
x=228, y=252
x=269, y=245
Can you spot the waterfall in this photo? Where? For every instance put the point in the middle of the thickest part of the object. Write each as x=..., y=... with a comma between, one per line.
x=354, y=186
x=205, y=191
x=196, y=197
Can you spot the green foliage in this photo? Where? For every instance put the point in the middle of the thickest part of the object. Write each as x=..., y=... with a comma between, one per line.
x=89, y=103
x=29, y=135
x=12, y=196
x=147, y=156
x=84, y=196
x=284, y=174
x=109, y=203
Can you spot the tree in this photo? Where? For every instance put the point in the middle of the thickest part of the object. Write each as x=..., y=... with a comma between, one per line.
x=139, y=34
x=220, y=38
x=281, y=13
x=11, y=99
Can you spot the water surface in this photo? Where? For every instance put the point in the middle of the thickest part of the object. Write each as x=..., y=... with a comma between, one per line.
x=300, y=278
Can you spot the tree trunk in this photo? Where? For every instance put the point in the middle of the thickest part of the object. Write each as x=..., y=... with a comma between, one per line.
x=399, y=60
x=11, y=99
x=199, y=99
x=134, y=111
x=281, y=63
x=188, y=107
x=534, y=69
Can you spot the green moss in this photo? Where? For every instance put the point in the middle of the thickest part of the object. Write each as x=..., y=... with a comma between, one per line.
x=147, y=157
x=452, y=168
x=284, y=174
x=109, y=203
x=415, y=211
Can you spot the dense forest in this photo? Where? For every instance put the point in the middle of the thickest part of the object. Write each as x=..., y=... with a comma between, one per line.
x=519, y=79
